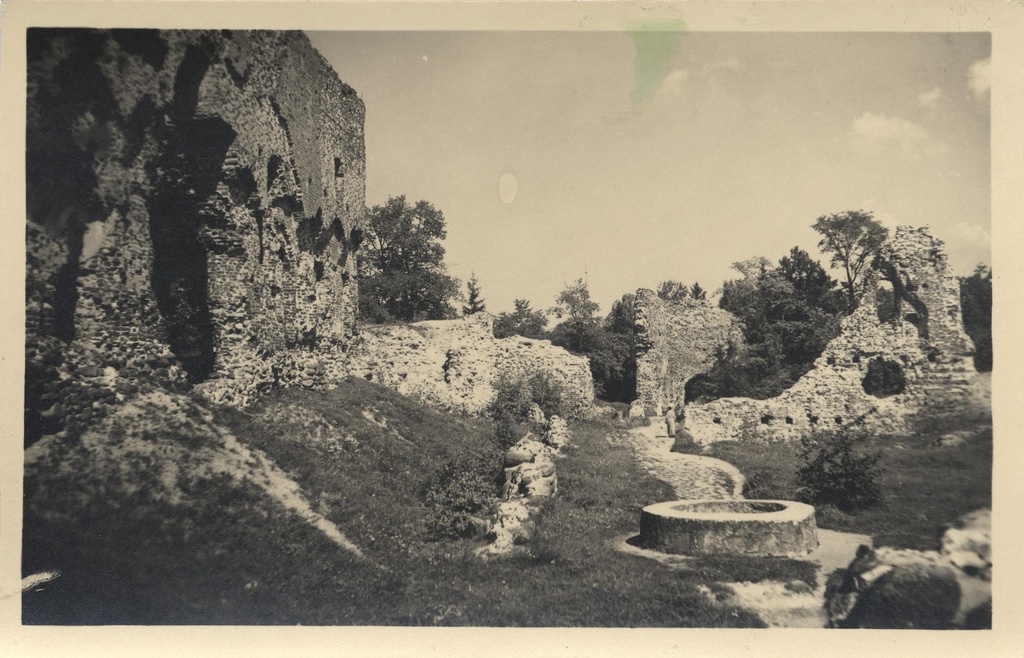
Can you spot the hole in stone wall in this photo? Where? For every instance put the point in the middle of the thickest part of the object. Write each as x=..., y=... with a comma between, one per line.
x=886, y=303
x=839, y=420
x=884, y=378
x=831, y=360
x=716, y=420
x=767, y=419
x=318, y=270
x=856, y=357
x=339, y=172
x=812, y=419
x=789, y=421
x=932, y=355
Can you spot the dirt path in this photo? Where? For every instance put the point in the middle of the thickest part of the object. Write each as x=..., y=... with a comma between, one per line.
x=780, y=605
x=692, y=476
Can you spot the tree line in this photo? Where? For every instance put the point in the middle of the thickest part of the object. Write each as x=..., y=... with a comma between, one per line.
x=789, y=309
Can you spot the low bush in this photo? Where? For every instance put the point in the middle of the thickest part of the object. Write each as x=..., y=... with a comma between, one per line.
x=838, y=470
x=511, y=405
x=461, y=495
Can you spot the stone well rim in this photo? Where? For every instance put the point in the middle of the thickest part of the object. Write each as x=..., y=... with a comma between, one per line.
x=790, y=510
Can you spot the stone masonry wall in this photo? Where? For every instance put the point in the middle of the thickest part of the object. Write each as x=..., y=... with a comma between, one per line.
x=455, y=364
x=194, y=204
x=674, y=341
x=923, y=340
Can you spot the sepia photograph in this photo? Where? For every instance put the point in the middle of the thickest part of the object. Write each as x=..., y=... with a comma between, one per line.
x=640, y=326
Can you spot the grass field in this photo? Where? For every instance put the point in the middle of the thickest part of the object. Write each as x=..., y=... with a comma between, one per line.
x=364, y=457
x=924, y=487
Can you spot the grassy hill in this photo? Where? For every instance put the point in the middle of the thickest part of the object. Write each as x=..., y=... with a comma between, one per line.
x=323, y=508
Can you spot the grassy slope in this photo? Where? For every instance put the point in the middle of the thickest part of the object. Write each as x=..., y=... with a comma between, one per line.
x=924, y=486
x=363, y=455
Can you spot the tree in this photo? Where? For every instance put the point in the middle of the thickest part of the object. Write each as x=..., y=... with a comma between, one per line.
x=976, y=306
x=574, y=302
x=474, y=304
x=402, y=273
x=697, y=292
x=788, y=313
x=524, y=321
x=671, y=290
x=853, y=239
x=809, y=279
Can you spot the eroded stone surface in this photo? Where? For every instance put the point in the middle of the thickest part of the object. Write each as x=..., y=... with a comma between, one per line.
x=194, y=204
x=455, y=365
x=674, y=341
x=923, y=339
x=900, y=588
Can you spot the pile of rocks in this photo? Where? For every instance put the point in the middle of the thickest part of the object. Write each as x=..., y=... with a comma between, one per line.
x=530, y=476
x=892, y=588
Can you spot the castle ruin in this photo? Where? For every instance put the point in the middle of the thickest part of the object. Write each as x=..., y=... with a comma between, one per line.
x=900, y=353
x=194, y=205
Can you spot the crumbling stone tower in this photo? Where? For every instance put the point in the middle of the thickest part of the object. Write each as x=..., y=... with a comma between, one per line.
x=674, y=341
x=194, y=204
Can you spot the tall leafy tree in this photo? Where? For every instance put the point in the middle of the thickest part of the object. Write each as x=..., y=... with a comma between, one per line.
x=976, y=306
x=852, y=239
x=697, y=292
x=474, y=303
x=524, y=321
x=402, y=273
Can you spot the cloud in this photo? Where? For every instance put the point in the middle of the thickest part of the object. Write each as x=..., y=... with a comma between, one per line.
x=928, y=99
x=972, y=235
x=673, y=82
x=731, y=64
x=875, y=133
x=979, y=77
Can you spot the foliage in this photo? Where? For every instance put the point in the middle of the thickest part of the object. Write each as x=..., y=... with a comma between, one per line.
x=837, y=470
x=853, y=239
x=474, y=303
x=524, y=321
x=670, y=290
x=402, y=274
x=574, y=303
x=462, y=493
x=976, y=306
x=608, y=346
x=511, y=404
x=789, y=314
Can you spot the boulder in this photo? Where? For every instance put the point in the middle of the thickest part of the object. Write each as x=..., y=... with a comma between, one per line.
x=901, y=588
x=636, y=409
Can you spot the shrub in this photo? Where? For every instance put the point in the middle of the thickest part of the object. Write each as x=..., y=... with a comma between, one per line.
x=511, y=405
x=461, y=493
x=837, y=470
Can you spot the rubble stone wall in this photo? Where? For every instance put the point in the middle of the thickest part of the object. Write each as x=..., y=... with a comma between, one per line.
x=194, y=204
x=674, y=341
x=455, y=364
x=923, y=340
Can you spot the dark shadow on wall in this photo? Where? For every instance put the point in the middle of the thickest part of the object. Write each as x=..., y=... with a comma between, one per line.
x=185, y=174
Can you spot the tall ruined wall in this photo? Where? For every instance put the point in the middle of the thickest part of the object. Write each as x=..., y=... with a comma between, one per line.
x=194, y=202
x=455, y=364
x=919, y=340
x=674, y=341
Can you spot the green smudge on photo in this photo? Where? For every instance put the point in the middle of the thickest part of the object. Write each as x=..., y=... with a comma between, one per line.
x=655, y=43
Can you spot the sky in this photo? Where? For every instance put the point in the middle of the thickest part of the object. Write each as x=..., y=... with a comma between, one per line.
x=629, y=158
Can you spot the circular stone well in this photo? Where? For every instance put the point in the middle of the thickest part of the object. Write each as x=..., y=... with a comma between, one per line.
x=729, y=527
